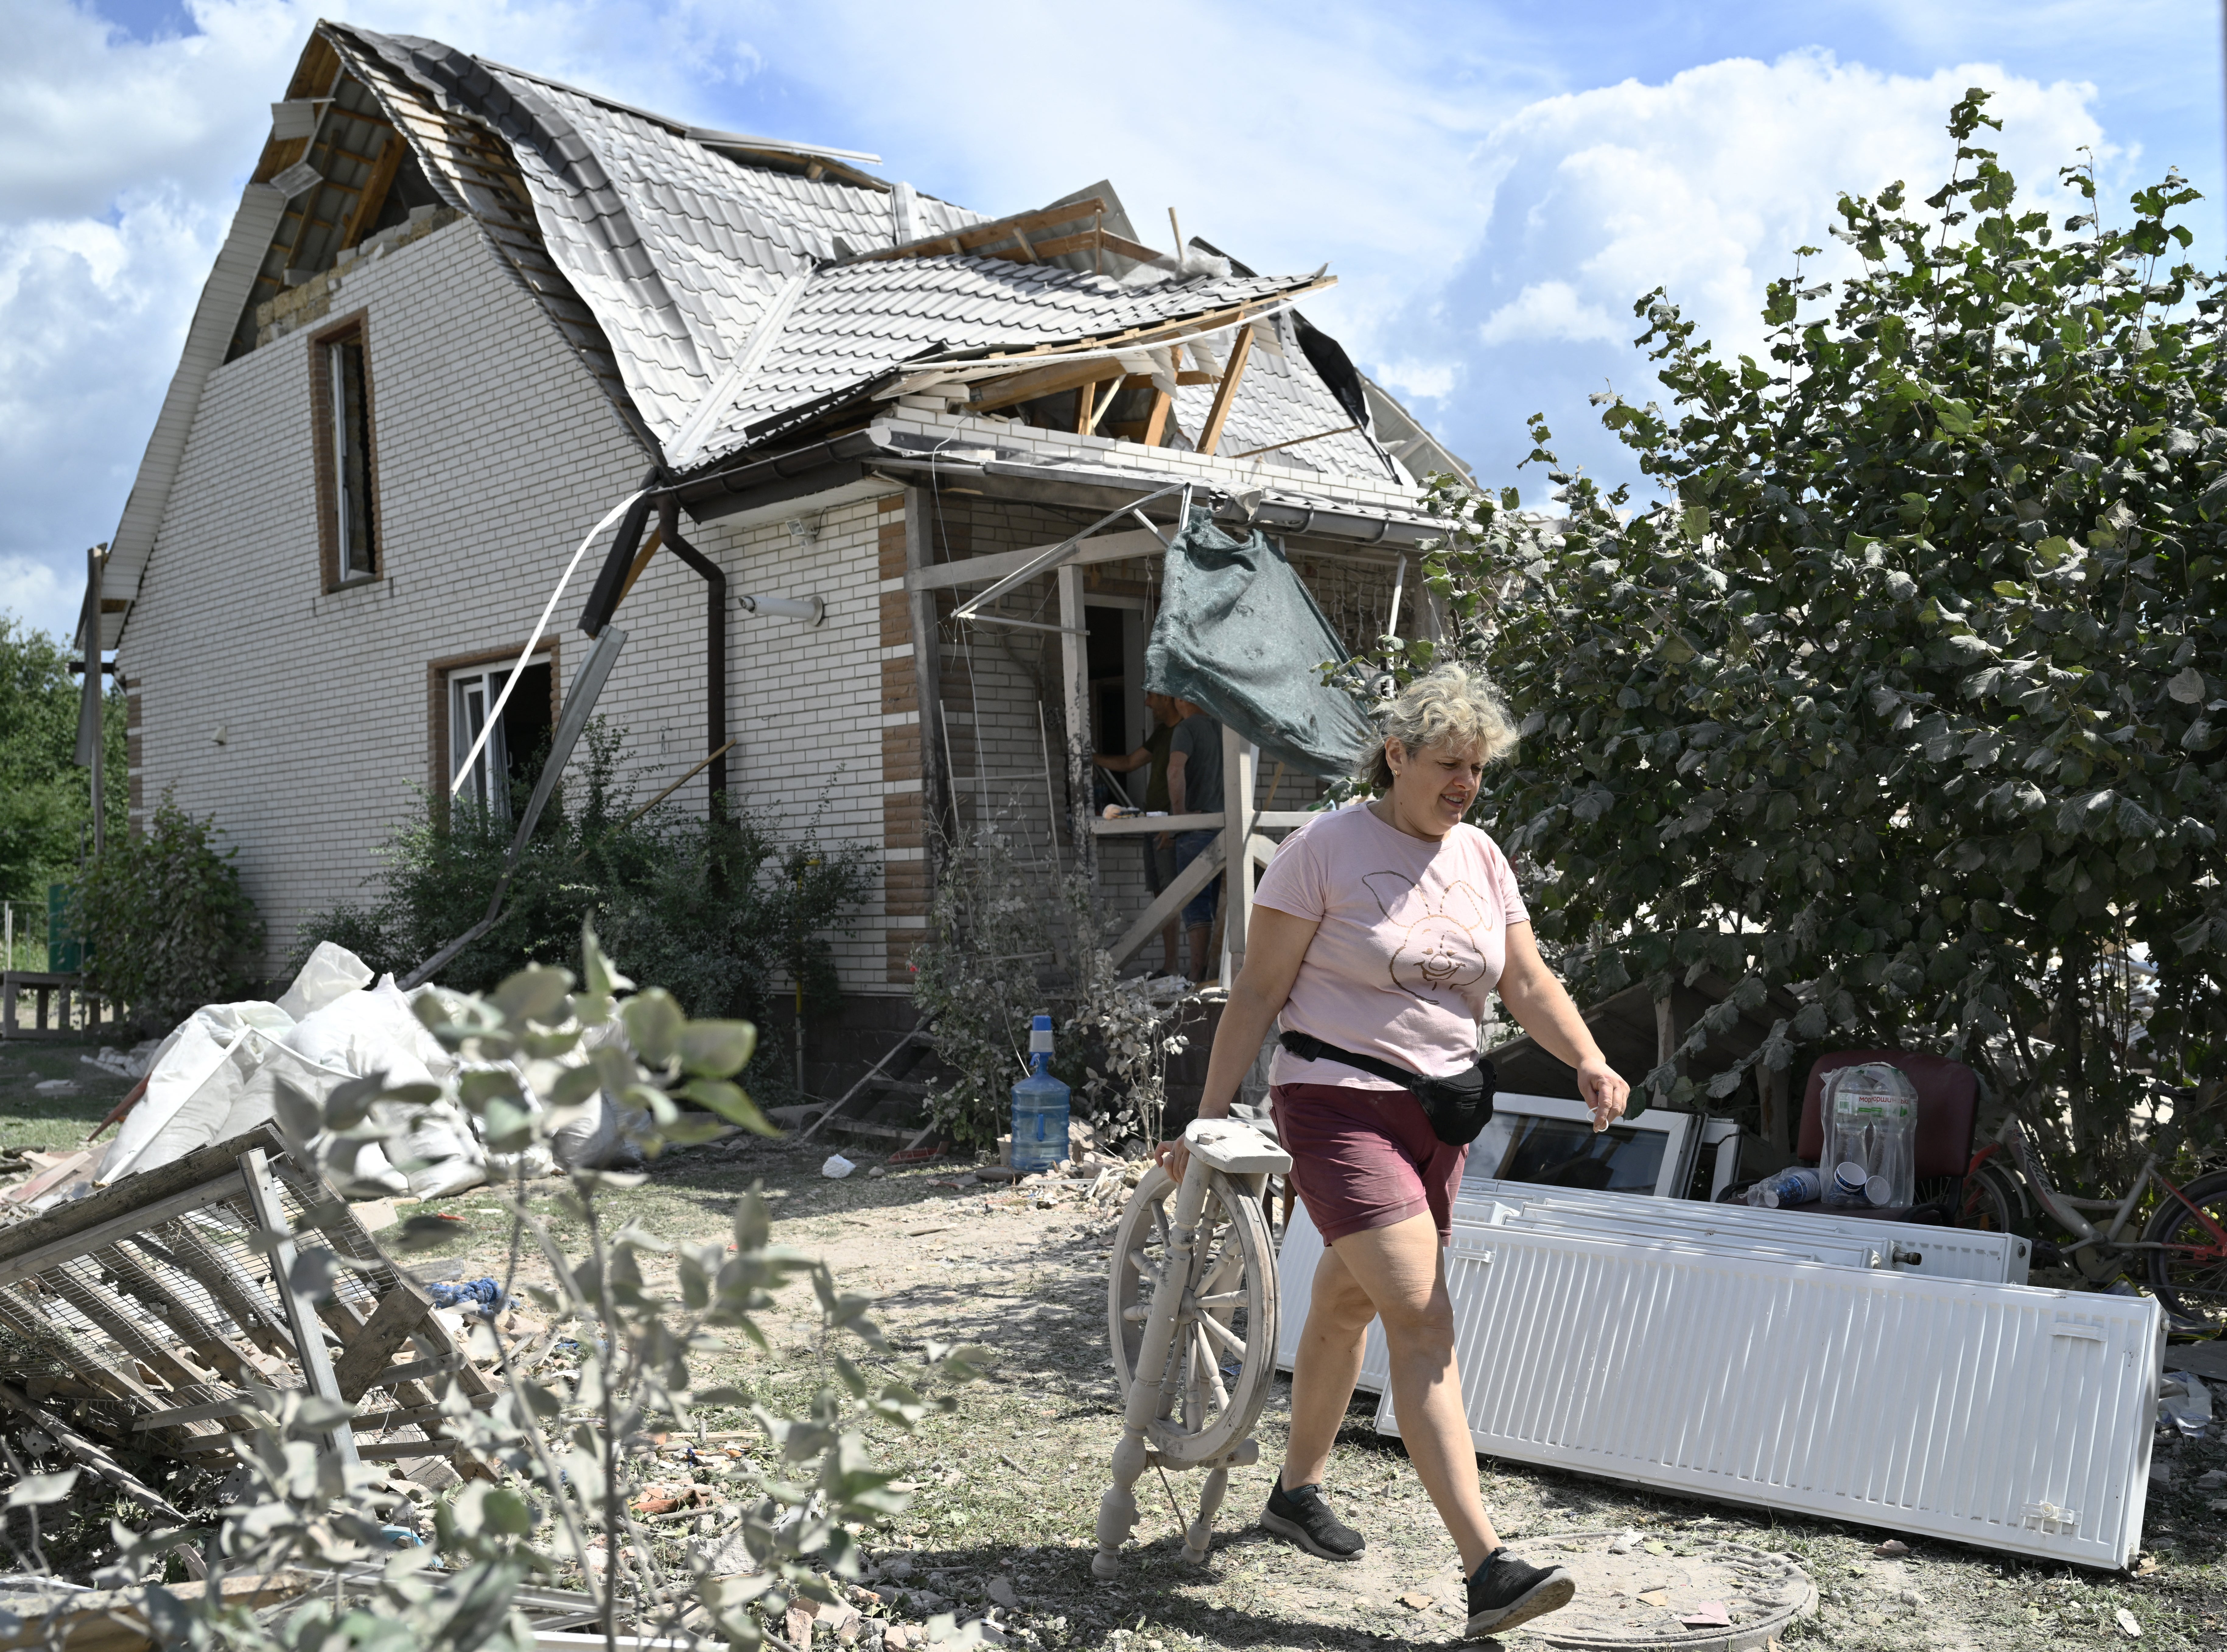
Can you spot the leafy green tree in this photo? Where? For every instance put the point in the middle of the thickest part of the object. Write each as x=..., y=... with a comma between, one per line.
x=1908, y=693
x=166, y=926
x=45, y=802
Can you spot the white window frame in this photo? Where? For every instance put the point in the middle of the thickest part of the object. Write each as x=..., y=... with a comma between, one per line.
x=472, y=694
x=1491, y=1147
x=352, y=562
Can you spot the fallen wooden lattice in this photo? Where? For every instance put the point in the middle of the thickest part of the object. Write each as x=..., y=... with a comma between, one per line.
x=140, y=1313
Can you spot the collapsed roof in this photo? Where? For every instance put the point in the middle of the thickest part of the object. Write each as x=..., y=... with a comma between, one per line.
x=735, y=294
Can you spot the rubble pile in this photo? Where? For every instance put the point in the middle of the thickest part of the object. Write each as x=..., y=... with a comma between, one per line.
x=225, y=1068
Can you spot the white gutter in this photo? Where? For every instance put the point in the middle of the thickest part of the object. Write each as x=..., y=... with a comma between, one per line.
x=208, y=335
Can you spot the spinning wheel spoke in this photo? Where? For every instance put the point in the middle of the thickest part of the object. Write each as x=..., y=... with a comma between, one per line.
x=1209, y=1326
x=1225, y=1300
x=1213, y=1371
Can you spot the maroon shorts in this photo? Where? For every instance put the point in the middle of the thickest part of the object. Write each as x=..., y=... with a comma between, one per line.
x=1365, y=1158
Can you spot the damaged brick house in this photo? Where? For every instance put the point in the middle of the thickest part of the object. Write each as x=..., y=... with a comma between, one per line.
x=464, y=312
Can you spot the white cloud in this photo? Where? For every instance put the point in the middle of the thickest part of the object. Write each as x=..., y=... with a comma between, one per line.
x=1546, y=309
x=1707, y=184
x=37, y=596
x=1423, y=380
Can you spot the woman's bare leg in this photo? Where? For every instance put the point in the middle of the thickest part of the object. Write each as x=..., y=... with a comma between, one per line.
x=1401, y=1271
x=1323, y=1373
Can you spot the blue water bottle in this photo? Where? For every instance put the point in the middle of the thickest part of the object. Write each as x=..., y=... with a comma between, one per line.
x=1039, y=1106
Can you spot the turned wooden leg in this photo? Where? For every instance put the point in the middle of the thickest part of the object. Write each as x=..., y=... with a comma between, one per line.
x=1117, y=1510
x=1200, y=1538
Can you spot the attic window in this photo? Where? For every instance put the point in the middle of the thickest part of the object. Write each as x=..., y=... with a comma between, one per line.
x=346, y=477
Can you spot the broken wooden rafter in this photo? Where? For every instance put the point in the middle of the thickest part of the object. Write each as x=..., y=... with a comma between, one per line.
x=1225, y=394
x=1295, y=441
x=1100, y=239
x=1043, y=381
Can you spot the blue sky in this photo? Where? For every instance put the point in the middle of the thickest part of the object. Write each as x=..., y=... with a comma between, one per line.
x=1494, y=184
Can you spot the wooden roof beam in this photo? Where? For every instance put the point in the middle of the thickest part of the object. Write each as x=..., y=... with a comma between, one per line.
x=1240, y=351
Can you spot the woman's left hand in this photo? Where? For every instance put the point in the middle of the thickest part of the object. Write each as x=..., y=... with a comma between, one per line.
x=1603, y=1090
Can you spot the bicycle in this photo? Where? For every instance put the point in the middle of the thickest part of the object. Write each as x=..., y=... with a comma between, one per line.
x=2184, y=1241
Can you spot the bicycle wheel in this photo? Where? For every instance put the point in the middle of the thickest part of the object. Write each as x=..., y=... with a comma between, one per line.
x=1989, y=1203
x=2190, y=1275
x=1222, y=1362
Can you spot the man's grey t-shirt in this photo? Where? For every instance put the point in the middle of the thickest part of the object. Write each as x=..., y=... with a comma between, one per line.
x=1199, y=739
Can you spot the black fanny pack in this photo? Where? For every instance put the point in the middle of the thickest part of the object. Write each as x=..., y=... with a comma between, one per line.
x=1458, y=1107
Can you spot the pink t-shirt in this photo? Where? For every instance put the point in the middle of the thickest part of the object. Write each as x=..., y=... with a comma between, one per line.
x=1411, y=940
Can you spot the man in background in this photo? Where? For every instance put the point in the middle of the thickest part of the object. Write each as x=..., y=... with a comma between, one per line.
x=1160, y=849
x=1194, y=786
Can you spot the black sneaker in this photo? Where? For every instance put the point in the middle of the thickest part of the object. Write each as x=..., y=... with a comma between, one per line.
x=1302, y=1516
x=1505, y=1592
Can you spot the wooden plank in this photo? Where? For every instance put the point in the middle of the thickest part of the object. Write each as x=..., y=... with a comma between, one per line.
x=208, y=1342
x=1225, y=397
x=1295, y=441
x=1118, y=545
x=87, y=1220
x=309, y=1341
x=1157, y=423
x=398, y=1313
x=375, y=187
x=1027, y=385
x=1170, y=902
x=231, y=1289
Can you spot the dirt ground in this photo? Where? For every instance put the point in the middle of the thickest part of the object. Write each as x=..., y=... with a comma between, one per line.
x=1004, y=1489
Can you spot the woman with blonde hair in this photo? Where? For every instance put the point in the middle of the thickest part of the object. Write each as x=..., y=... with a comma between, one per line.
x=1378, y=934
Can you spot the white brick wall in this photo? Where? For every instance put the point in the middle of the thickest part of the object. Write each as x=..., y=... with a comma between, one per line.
x=496, y=453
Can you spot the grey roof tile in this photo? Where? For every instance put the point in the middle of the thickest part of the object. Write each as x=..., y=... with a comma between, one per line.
x=680, y=249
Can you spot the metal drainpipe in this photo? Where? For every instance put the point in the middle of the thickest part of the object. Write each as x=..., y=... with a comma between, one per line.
x=715, y=645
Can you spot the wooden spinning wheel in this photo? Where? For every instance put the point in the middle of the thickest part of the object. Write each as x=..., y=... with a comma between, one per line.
x=1222, y=1357
x=1191, y=1314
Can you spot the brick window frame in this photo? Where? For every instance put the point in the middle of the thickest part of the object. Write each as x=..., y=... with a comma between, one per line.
x=352, y=328
x=437, y=672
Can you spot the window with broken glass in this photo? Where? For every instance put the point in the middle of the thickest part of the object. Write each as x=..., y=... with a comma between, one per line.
x=512, y=751
x=352, y=521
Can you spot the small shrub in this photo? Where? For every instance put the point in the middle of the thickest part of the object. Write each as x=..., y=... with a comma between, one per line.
x=166, y=924
x=719, y=911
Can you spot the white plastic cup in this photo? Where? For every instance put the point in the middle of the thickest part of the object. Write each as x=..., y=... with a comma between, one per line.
x=1878, y=1190
x=1852, y=1181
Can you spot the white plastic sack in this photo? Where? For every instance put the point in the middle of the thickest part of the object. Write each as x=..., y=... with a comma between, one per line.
x=449, y=1175
x=533, y=1162
x=588, y=1137
x=190, y=1091
x=331, y=973
x=360, y=1033
x=423, y=1044
x=257, y=1102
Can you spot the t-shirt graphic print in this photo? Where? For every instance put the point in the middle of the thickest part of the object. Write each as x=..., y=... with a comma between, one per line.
x=1409, y=941
x=1442, y=947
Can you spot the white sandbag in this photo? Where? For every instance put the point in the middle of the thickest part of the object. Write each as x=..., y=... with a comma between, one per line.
x=369, y=1176
x=189, y=1093
x=332, y=973
x=439, y=1061
x=531, y=1163
x=224, y=1020
x=427, y=1134
x=359, y=1033
x=257, y=1102
x=588, y=1137
x=449, y=1176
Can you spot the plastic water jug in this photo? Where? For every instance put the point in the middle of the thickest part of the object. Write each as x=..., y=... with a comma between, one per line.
x=1039, y=1106
x=1871, y=1136
x=1793, y=1185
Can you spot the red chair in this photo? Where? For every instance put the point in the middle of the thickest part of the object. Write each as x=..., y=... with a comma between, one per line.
x=1948, y=1113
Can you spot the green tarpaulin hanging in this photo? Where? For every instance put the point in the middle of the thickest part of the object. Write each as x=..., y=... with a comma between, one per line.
x=1239, y=635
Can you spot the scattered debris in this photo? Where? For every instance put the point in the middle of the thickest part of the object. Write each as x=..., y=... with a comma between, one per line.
x=1710, y=1614
x=1892, y=1549
x=837, y=1167
x=56, y=1087
x=2129, y=1625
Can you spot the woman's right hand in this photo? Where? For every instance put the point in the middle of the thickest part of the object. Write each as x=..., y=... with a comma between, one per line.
x=1174, y=1157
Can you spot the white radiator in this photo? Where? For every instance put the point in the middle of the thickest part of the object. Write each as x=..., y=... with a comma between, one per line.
x=2000, y=1415
x=1939, y=1253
